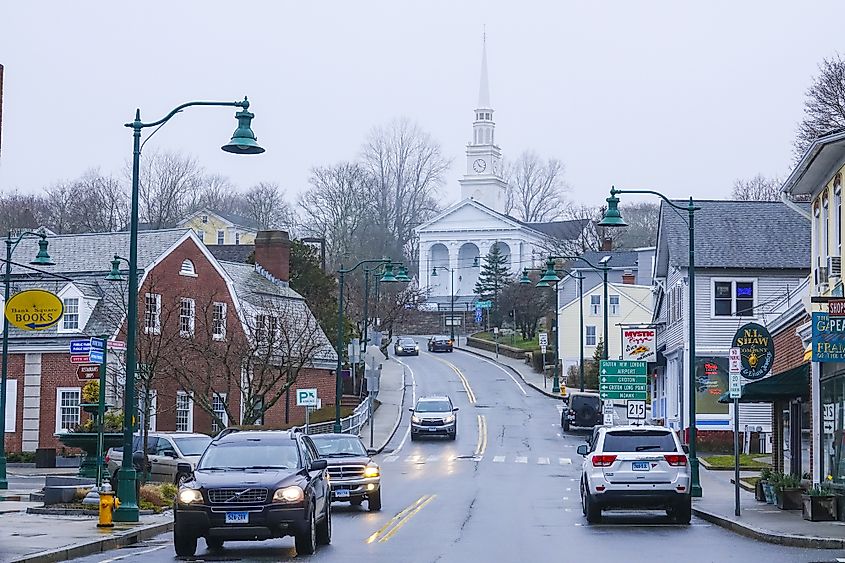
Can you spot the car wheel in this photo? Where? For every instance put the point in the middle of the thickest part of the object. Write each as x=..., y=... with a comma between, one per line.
x=374, y=501
x=214, y=543
x=591, y=511
x=413, y=437
x=681, y=513
x=453, y=435
x=324, y=528
x=306, y=542
x=566, y=425
x=185, y=544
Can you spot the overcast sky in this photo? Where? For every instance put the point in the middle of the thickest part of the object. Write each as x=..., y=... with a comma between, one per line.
x=680, y=97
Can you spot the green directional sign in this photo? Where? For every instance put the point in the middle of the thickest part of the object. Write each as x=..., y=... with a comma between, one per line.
x=623, y=379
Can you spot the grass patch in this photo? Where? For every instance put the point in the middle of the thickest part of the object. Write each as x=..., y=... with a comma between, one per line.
x=514, y=340
x=746, y=461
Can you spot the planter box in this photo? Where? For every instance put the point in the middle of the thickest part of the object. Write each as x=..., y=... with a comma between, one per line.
x=789, y=499
x=819, y=508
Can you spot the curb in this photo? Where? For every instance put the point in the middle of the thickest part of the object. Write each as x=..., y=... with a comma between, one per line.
x=399, y=418
x=536, y=388
x=789, y=540
x=131, y=536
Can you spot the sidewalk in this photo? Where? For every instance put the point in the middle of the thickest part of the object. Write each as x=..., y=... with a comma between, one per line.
x=523, y=370
x=391, y=398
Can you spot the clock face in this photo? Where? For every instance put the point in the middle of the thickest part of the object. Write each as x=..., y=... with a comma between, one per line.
x=479, y=165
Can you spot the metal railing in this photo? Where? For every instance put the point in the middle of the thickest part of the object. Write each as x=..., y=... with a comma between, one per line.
x=349, y=425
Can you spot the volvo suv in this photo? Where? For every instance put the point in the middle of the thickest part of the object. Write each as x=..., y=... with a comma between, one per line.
x=255, y=485
x=434, y=416
x=635, y=467
x=353, y=474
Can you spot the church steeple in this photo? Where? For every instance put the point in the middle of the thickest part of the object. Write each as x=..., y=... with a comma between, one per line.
x=484, y=86
x=483, y=128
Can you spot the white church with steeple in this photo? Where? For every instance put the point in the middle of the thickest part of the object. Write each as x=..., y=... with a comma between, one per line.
x=455, y=241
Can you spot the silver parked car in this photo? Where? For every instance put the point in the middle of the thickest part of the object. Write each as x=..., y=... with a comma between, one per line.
x=635, y=467
x=165, y=451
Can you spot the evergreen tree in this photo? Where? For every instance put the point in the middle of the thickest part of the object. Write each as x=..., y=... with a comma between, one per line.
x=494, y=277
x=591, y=367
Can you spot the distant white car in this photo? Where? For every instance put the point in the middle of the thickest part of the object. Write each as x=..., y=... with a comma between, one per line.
x=642, y=467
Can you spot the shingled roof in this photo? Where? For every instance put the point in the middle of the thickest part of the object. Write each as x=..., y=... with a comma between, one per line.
x=562, y=230
x=735, y=234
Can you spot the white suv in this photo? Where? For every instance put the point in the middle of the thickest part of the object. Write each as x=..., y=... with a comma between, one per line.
x=635, y=467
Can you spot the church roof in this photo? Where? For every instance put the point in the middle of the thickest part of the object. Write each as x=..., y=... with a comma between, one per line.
x=563, y=230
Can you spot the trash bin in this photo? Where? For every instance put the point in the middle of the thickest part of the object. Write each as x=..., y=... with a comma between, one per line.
x=45, y=457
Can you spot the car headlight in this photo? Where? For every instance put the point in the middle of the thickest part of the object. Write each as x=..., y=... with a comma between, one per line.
x=399, y=348
x=190, y=496
x=371, y=471
x=449, y=419
x=416, y=347
x=289, y=494
x=415, y=419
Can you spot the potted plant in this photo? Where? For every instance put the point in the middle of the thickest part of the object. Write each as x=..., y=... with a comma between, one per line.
x=759, y=491
x=819, y=504
x=84, y=437
x=788, y=491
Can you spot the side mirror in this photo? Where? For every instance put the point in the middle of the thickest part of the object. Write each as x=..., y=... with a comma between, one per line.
x=582, y=449
x=185, y=469
x=456, y=409
x=318, y=465
x=371, y=451
x=685, y=448
x=411, y=409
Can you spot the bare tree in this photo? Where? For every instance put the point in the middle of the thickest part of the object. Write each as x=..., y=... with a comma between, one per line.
x=218, y=193
x=60, y=214
x=265, y=203
x=21, y=211
x=169, y=184
x=535, y=188
x=101, y=203
x=757, y=188
x=824, y=104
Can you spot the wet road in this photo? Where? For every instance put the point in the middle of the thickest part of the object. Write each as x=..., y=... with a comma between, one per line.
x=505, y=490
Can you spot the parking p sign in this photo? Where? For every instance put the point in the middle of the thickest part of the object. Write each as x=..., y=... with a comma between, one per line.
x=306, y=397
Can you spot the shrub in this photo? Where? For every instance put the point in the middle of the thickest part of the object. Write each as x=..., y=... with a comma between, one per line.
x=91, y=392
x=168, y=492
x=20, y=457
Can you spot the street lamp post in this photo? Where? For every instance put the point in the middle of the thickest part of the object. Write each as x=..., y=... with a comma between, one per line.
x=613, y=218
x=402, y=276
x=451, y=298
x=341, y=272
x=42, y=259
x=243, y=141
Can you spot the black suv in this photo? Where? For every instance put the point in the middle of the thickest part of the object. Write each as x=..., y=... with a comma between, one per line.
x=255, y=485
x=583, y=409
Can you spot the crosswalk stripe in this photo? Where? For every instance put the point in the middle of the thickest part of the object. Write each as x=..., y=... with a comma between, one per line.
x=391, y=458
x=411, y=459
x=521, y=460
x=542, y=461
x=498, y=459
x=565, y=461
x=432, y=458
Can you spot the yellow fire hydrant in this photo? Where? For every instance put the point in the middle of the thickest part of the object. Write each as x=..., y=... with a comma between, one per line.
x=108, y=504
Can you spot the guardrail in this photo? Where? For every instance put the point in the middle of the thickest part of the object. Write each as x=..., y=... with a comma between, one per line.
x=348, y=425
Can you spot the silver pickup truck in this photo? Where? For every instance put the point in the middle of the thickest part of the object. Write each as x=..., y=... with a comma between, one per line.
x=165, y=451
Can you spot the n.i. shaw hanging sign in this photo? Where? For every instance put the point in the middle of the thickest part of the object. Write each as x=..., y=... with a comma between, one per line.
x=756, y=349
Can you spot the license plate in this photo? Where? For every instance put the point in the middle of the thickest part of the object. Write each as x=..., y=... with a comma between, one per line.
x=432, y=429
x=639, y=465
x=341, y=493
x=237, y=517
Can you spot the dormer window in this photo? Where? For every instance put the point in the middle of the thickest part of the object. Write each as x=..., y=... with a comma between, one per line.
x=205, y=218
x=187, y=269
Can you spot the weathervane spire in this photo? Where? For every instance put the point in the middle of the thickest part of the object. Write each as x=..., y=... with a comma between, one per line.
x=484, y=85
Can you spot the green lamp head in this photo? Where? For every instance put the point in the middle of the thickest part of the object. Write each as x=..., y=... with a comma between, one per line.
x=524, y=280
x=42, y=258
x=475, y=262
x=612, y=216
x=549, y=276
x=114, y=275
x=388, y=275
x=403, y=274
x=434, y=272
x=243, y=140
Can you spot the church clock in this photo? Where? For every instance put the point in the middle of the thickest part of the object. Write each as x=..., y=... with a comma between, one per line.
x=479, y=165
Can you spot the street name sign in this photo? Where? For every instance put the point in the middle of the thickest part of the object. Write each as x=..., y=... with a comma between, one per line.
x=34, y=309
x=484, y=305
x=306, y=397
x=623, y=379
x=79, y=359
x=117, y=345
x=80, y=346
x=87, y=372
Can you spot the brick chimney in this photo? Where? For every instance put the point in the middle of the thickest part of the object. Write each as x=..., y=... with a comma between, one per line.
x=272, y=253
x=606, y=244
x=629, y=278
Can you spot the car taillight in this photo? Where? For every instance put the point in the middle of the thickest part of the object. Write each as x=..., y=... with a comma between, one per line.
x=603, y=460
x=676, y=460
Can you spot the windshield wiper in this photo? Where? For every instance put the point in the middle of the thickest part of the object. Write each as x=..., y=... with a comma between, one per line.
x=266, y=467
x=643, y=448
x=344, y=454
x=214, y=468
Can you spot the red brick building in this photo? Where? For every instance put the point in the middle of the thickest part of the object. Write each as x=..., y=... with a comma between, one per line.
x=199, y=321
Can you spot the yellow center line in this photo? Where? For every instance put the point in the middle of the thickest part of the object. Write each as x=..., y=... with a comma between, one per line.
x=404, y=521
x=396, y=518
x=464, y=382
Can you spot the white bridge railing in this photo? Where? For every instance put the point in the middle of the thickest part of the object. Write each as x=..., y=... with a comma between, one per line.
x=348, y=425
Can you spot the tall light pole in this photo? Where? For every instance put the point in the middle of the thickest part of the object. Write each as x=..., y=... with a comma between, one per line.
x=613, y=218
x=42, y=259
x=451, y=299
x=402, y=276
x=243, y=141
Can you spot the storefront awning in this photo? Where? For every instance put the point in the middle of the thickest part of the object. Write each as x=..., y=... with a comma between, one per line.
x=781, y=387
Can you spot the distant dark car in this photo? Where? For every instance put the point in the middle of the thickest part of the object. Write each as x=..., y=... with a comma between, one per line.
x=440, y=344
x=583, y=409
x=406, y=347
x=255, y=485
x=353, y=474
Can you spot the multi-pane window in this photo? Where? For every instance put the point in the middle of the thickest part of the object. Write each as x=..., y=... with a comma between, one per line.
x=152, y=313
x=825, y=229
x=67, y=408
x=205, y=218
x=221, y=237
x=71, y=315
x=595, y=305
x=201, y=235
x=184, y=411
x=237, y=238
x=590, y=339
x=186, y=317
x=218, y=406
x=218, y=321
x=614, y=304
x=676, y=303
x=265, y=328
x=733, y=298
